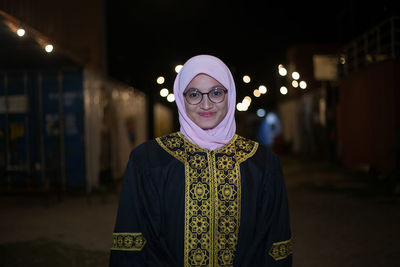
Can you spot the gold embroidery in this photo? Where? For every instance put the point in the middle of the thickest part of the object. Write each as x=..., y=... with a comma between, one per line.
x=281, y=250
x=128, y=241
x=174, y=142
x=225, y=163
x=175, y=148
x=197, y=161
x=212, y=197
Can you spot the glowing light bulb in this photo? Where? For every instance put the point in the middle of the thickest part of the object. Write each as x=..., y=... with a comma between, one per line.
x=164, y=92
x=49, y=48
x=21, y=32
x=262, y=89
x=178, y=68
x=171, y=98
x=261, y=112
x=282, y=71
x=160, y=80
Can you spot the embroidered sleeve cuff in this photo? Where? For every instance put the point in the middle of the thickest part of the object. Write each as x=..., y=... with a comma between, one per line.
x=128, y=241
x=281, y=250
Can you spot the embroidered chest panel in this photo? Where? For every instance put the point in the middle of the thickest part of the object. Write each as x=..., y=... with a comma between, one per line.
x=212, y=197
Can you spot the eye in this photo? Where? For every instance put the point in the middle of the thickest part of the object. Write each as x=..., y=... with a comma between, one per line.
x=218, y=92
x=193, y=94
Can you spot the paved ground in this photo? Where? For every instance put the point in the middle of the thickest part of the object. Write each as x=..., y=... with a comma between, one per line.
x=341, y=219
x=338, y=217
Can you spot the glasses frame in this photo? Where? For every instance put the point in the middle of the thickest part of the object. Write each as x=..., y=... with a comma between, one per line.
x=208, y=94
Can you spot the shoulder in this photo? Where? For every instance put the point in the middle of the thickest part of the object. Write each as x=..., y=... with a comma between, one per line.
x=259, y=151
x=149, y=154
x=263, y=157
x=267, y=155
x=145, y=148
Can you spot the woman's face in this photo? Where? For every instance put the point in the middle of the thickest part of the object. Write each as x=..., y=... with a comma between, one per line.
x=206, y=114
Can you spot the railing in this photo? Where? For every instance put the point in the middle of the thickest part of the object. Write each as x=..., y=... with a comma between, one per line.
x=380, y=43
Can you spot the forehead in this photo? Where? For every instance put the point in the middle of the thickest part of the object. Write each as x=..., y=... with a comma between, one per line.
x=203, y=81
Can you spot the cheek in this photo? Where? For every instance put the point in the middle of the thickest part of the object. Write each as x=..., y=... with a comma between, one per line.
x=188, y=109
x=225, y=109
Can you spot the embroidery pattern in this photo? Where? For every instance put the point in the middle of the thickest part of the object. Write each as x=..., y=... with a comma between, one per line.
x=212, y=197
x=174, y=145
x=128, y=241
x=281, y=250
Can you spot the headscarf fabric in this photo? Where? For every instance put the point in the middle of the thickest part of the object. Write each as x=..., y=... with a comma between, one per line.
x=218, y=136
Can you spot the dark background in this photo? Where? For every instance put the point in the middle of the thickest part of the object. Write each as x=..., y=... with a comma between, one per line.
x=146, y=39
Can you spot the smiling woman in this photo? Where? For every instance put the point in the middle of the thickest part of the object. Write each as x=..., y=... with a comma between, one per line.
x=203, y=196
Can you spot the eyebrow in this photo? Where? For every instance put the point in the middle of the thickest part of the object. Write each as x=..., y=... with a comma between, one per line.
x=213, y=87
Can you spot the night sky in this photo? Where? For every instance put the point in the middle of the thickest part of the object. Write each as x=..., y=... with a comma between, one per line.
x=148, y=38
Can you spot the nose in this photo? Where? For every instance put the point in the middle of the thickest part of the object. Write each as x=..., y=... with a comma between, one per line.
x=205, y=103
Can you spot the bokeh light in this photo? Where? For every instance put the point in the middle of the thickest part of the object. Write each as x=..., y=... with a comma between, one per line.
x=160, y=80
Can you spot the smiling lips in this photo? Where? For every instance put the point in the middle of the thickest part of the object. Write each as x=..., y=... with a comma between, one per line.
x=207, y=114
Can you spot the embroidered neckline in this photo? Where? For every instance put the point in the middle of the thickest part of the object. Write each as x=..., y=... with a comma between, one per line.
x=207, y=150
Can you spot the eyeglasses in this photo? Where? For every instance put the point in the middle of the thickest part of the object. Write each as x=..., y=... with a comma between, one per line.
x=216, y=95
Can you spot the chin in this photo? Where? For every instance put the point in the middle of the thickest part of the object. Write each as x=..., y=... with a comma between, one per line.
x=206, y=123
x=207, y=126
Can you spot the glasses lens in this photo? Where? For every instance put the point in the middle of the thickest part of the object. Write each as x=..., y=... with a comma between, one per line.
x=217, y=95
x=193, y=96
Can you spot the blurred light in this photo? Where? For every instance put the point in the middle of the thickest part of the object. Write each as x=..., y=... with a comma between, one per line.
x=239, y=106
x=21, y=32
x=282, y=71
x=164, y=92
x=295, y=75
x=283, y=90
x=262, y=89
x=246, y=78
x=171, y=98
x=261, y=112
x=280, y=66
x=246, y=102
x=48, y=48
x=295, y=84
x=178, y=69
x=256, y=93
x=342, y=60
x=160, y=80
x=247, y=98
x=303, y=85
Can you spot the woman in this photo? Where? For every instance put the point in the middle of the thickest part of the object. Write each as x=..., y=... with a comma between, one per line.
x=203, y=196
